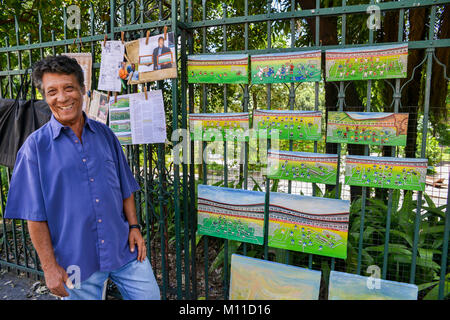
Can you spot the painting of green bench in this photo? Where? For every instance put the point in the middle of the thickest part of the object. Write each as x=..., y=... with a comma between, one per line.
x=256, y=279
x=232, y=214
x=309, y=224
x=370, y=128
x=302, y=166
x=219, y=126
x=218, y=68
x=386, y=172
x=286, y=67
x=290, y=124
x=347, y=286
x=374, y=62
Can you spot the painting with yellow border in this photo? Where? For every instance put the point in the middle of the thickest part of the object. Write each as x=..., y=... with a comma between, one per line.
x=255, y=279
x=309, y=224
x=291, y=124
x=219, y=126
x=218, y=68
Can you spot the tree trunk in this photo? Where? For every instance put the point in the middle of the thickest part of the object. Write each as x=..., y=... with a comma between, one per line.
x=328, y=35
x=439, y=85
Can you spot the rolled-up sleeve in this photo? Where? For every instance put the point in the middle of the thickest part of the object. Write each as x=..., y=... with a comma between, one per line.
x=25, y=198
x=128, y=184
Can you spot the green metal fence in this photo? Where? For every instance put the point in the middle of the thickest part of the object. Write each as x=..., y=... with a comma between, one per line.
x=405, y=234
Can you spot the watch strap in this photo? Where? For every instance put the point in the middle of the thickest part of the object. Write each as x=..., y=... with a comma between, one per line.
x=135, y=226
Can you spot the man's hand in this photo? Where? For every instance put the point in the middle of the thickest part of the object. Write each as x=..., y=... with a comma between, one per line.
x=55, y=277
x=135, y=239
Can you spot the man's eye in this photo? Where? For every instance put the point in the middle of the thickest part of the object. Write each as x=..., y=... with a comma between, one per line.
x=69, y=88
x=51, y=92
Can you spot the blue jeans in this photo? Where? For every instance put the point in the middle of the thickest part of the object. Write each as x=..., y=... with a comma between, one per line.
x=135, y=281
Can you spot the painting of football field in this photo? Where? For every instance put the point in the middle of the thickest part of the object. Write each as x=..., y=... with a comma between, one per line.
x=346, y=286
x=219, y=126
x=371, y=128
x=256, y=279
x=233, y=214
x=309, y=224
x=375, y=62
x=218, y=68
x=302, y=166
x=386, y=172
x=291, y=125
x=286, y=67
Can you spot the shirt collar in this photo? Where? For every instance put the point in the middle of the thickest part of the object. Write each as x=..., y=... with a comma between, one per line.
x=57, y=126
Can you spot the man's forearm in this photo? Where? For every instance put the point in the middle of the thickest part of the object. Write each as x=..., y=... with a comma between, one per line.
x=129, y=209
x=40, y=236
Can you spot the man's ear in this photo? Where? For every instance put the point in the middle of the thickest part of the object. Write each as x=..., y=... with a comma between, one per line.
x=83, y=90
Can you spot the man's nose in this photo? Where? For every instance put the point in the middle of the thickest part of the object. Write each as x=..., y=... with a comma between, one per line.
x=61, y=97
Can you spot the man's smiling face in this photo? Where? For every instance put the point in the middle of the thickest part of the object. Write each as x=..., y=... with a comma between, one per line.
x=64, y=96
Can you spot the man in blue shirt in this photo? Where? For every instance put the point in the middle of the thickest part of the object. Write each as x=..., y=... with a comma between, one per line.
x=72, y=183
x=158, y=51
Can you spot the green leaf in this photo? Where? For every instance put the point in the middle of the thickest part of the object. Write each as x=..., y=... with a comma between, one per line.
x=393, y=248
x=429, y=201
x=403, y=235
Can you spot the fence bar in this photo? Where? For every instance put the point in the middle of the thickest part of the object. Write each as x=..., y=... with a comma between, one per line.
x=192, y=180
x=267, y=195
x=186, y=208
x=301, y=14
x=386, y=239
x=225, y=162
x=426, y=108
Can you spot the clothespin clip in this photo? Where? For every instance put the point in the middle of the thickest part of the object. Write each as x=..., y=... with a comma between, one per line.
x=104, y=40
x=115, y=96
x=145, y=92
x=75, y=41
x=165, y=33
x=122, y=36
x=109, y=95
x=146, y=37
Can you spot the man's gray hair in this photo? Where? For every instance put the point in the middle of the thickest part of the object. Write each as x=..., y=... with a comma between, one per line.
x=56, y=64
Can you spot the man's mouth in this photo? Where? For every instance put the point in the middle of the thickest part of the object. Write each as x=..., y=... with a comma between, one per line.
x=67, y=108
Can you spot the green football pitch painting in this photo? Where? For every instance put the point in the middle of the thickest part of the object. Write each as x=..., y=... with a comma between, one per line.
x=218, y=68
x=219, y=126
x=386, y=172
x=309, y=224
x=286, y=67
x=291, y=124
x=371, y=128
x=374, y=62
x=232, y=214
x=302, y=166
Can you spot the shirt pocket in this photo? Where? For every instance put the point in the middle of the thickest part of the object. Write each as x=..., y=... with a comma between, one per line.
x=111, y=174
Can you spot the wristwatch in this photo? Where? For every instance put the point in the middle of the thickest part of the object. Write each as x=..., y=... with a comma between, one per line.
x=135, y=226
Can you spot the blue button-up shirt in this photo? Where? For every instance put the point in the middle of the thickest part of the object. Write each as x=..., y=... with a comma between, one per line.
x=78, y=187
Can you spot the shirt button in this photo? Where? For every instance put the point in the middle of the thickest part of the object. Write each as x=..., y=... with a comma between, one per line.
x=91, y=179
x=99, y=220
x=84, y=160
x=76, y=141
x=97, y=200
x=103, y=241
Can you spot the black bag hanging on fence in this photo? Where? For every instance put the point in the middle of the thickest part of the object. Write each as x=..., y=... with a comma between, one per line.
x=18, y=119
